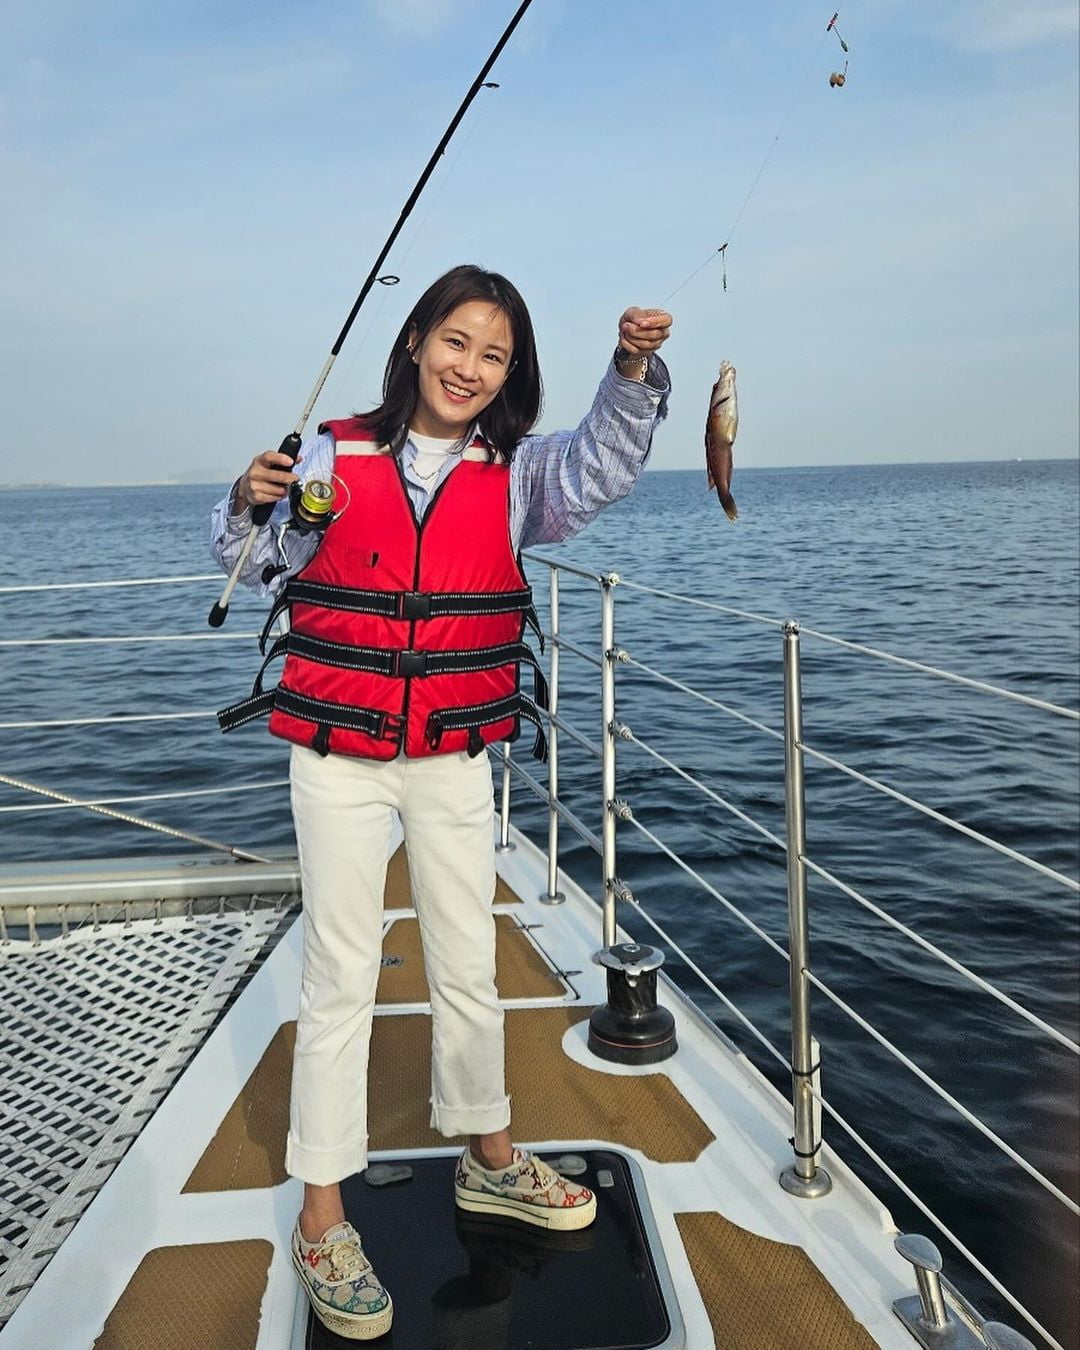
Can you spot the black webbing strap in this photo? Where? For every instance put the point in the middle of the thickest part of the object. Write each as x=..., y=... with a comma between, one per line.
x=531, y=713
x=280, y=647
x=402, y=664
x=805, y=1073
x=280, y=604
x=476, y=715
x=404, y=604
x=258, y=705
x=799, y=1152
x=533, y=620
x=383, y=726
x=407, y=604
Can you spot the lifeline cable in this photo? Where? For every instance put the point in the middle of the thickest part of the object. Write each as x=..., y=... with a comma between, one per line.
x=291, y=444
x=24, y=786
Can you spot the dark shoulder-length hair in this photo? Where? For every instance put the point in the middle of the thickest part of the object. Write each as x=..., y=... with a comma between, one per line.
x=513, y=411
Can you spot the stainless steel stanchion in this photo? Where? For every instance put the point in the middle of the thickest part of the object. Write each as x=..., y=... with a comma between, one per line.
x=553, y=896
x=607, y=714
x=804, y=1177
x=630, y=1028
x=504, y=845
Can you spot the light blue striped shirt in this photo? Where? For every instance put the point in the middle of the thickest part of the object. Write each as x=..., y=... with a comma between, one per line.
x=559, y=482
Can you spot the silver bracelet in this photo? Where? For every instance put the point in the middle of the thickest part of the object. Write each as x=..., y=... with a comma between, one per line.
x=621, y=354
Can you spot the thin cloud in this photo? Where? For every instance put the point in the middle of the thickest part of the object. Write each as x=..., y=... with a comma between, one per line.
x=423, y=17
x=1010, y=25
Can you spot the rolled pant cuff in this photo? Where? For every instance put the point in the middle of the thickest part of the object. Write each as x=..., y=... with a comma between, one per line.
x=457, y=1120
x=324, y=1166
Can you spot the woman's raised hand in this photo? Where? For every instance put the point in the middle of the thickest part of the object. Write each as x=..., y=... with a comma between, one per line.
x=268, y=478
x=644, y=330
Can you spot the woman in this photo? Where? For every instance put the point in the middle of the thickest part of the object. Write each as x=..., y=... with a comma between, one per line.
x=402, y=663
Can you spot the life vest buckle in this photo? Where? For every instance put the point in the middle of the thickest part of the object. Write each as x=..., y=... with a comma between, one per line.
x=409, y=664
x=393, y=727
x=414, y=605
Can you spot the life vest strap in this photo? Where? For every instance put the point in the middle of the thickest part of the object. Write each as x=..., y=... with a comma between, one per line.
x=383, y=726
x=258, y=705
x=403, y=604
x=403, y=664
x=407, y=604
x=476, y=715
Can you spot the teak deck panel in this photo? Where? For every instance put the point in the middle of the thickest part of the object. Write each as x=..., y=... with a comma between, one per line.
x=553, y=1098
x=520, y=970
x=398, y=892
x=765, y=1295
x=207, y=1295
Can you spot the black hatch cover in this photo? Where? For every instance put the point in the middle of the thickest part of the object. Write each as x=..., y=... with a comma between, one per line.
x=467, y=1282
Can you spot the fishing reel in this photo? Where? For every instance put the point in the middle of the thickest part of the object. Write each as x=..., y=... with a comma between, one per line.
x=313, y=511
x=312, y=506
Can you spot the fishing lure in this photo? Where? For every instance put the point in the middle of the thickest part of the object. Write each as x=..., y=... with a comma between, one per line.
x=839, y=77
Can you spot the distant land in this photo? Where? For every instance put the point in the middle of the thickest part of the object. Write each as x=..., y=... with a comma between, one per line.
x=192, y=478
x=218, y=478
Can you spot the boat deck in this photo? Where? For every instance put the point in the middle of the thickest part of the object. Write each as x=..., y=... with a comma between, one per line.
x=187, y=1244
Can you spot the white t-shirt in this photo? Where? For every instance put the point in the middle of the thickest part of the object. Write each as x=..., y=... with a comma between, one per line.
x=432, y=452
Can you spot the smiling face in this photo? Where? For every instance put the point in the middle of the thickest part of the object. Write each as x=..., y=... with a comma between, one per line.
x=462, y=363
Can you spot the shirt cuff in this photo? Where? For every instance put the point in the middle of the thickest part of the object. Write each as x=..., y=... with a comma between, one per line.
x=639, y=395
x=240, y=521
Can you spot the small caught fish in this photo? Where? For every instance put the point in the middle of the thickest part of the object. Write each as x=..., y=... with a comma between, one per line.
x=720, y=427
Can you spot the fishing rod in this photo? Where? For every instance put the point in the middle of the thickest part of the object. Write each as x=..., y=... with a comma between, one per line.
x=291, y=444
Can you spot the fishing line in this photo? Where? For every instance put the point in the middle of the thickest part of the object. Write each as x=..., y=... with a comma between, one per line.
x=722, y=250
x=290, y=446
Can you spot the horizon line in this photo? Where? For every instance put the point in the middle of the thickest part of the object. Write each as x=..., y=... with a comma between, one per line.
x=747, y=468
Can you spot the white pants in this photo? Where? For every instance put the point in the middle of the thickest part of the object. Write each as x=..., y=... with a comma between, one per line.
x=343, y=809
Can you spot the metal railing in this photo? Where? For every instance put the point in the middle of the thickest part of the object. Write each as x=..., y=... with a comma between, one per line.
x=805, y=1176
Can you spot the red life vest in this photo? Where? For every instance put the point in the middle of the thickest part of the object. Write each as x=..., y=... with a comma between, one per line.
x=403, y=636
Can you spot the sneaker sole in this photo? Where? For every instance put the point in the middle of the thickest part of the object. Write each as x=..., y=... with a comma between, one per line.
x=353, y=1326
x=477, y=1202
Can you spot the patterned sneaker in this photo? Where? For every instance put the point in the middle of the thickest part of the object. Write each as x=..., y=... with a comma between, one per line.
x=528, y=1190
x=340, y=1284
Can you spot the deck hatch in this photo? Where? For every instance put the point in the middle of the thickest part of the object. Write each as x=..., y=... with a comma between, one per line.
x=461, y=1282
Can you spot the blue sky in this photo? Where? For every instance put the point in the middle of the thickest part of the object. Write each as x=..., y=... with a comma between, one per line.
x=194, y=192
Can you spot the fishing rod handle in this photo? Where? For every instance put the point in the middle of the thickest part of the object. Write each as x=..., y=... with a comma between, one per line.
x=259, y=516
x=289, y=446
x=217, y=615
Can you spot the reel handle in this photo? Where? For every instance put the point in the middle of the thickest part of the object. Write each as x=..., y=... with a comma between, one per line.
x=289, y=446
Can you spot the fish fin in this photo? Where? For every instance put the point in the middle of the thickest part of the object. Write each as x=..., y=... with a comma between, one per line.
x=730, y=509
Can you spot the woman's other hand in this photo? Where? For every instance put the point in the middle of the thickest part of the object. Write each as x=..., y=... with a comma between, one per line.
x=642, y=331
x=268, y=478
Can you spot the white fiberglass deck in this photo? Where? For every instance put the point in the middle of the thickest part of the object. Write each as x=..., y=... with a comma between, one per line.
x=846, y=1235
